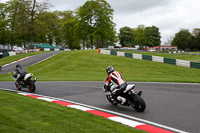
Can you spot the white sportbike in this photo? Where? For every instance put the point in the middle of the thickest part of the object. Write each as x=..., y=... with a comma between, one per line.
x=133, y=98
x=26, y=82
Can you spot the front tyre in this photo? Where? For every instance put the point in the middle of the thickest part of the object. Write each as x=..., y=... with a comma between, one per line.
x=31, y=86
x=18, y=86
x=138, y=103
x=111, y=100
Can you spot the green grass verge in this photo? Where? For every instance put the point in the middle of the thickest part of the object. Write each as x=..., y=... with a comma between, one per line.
x=192, y=58
x=9, y=59
x=90, y=66
x=20, y=114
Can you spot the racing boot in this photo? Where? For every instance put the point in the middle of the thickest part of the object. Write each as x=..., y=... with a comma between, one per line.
x=123, y=100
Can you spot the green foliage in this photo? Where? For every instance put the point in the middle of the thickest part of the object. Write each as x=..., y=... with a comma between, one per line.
x=126, y=37
x=186, y=40
x=45, y=27
x=195, y=40
x=140, y=36
x=4, y=31
x=69, y=23
x=153, y=36
x=23, y=22
x=95, y=23
x=146, y=36
x=182, y=39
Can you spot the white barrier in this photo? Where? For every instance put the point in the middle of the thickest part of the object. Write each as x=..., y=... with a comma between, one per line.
x=67, y=50
x=182, y=63
x=158, y=59
x=121, y=54
x=137, y=56
x=11, y=53
x=105, y=52
x=46, y=49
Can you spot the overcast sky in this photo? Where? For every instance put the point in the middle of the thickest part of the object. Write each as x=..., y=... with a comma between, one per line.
x=168, y=15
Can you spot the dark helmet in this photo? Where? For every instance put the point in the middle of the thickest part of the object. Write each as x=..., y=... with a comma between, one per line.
x=109, y=69
x=18, y=66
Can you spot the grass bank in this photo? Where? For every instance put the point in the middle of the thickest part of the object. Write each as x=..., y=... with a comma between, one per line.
x=19, y=114
x=90, y=66
x=192, y=58
x=9, y=59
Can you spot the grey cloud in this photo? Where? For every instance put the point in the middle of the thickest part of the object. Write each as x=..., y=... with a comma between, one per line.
x=133, y=6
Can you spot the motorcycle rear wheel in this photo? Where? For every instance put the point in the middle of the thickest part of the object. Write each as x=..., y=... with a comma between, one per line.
x=32, y=86
x=139, y=103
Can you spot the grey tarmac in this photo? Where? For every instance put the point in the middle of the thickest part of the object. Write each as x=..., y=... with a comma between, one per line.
x=171, y=104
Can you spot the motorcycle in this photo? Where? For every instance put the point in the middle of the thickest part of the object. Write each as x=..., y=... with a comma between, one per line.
x=26, y=82
x=133, y=98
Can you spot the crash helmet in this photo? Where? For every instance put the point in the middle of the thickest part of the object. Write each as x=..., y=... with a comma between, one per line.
x=18, y=66
x=109, y=69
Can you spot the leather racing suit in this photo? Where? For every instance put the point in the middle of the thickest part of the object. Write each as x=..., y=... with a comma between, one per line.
x=120, y=84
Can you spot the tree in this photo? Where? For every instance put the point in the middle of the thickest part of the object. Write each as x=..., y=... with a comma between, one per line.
x=34, y=8
x=4, y=31
x=12, y=8
x=105, y=30
x=182, y=39
x=95, y=22
x=196, y=39
x=126, y=37
x=153, y=36
x=45, y=27
x=140, y=36
x=22, y=15
x=69, y=22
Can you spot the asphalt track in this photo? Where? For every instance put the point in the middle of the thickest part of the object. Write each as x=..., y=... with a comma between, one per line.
x=169, y=104
x=174, y=105
x=28, y=62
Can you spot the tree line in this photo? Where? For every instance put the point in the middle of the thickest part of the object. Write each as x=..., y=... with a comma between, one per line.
x=186, y=40
x=24, y=22
x=141, y=36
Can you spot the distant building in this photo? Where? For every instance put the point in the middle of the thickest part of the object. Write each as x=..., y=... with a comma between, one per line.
x=162, y=48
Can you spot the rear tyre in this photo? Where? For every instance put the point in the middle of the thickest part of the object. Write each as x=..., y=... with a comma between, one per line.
x=18, y=86
x=139, y=104
x=32, y=86
x=110, y=100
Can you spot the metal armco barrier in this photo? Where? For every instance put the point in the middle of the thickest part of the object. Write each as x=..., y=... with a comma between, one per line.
x=177, y=62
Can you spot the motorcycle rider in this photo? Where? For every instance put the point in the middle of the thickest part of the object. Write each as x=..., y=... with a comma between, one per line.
x=19, y=73
x=117, y=80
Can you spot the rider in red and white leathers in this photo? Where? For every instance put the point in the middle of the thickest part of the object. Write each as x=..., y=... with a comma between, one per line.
x=117, y=80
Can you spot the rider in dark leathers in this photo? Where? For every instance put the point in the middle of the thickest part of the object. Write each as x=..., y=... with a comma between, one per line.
x=19, y=73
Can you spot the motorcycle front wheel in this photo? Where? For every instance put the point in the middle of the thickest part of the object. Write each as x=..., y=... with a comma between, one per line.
x=32, y=86
x=110, y=100
x=18, y=86
x=138, y=103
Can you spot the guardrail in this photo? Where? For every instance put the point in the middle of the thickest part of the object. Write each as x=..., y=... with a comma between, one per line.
x=5, y=54
x=11, y=53
x=159, y=59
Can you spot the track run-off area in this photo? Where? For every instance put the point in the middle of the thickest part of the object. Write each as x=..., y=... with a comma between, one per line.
x=172, y=106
